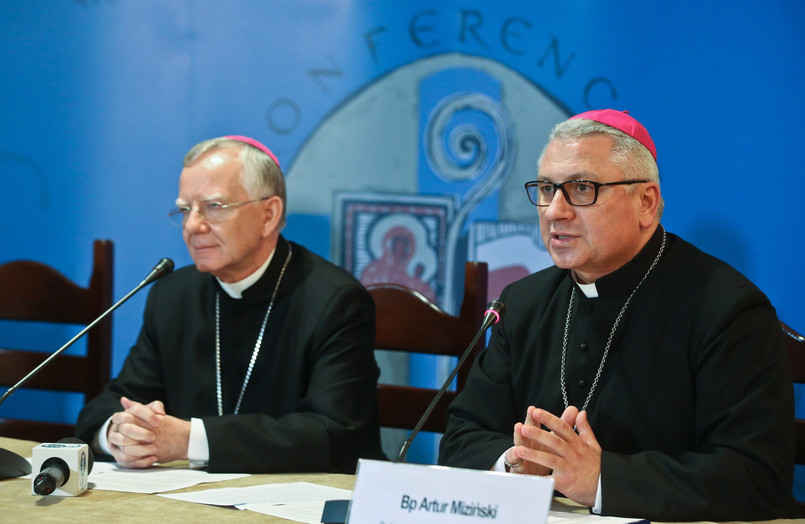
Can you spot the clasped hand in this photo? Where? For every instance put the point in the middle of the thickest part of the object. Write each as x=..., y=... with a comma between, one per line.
x=549, y=446
x=143, y=434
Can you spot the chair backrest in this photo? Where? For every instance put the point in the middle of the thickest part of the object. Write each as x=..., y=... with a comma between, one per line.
x=409, y=322
x=32, y=291
x=795, y=346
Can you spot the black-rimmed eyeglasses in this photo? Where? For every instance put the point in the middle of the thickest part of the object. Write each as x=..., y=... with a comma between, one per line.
x=576, y=192
x=211, y=212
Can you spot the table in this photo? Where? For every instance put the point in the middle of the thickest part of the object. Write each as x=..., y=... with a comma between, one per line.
x=17, y=505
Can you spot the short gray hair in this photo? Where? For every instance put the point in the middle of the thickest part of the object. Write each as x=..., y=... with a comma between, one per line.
x=627, y=153
x=260, y=176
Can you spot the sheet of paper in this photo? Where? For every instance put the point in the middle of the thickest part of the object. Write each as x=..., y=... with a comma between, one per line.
x=107, y=476
x=561, y=517
x=284, y=493
x=565, y=512
x=307, y=512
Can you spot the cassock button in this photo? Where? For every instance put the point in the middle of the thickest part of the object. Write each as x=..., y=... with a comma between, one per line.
x=584, y=346
x=582, y=383
x=590, y=308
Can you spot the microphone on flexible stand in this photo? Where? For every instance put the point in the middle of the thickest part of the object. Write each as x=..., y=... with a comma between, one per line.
x=335, y=511
x=494, y=312
x=11, y=464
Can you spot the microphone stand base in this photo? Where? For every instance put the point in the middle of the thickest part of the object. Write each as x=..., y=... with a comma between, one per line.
x=13, y=465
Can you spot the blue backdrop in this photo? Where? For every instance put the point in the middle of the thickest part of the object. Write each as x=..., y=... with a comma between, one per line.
x=101, y=99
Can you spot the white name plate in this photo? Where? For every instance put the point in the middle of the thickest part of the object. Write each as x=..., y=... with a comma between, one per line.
x=387, y=492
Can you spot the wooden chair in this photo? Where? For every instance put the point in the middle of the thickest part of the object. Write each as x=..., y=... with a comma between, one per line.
x=31, y=291
x=409, y=322
x=795, y=345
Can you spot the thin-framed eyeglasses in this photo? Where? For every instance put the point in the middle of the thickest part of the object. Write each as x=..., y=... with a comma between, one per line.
x=576, y=192
x=211, y=212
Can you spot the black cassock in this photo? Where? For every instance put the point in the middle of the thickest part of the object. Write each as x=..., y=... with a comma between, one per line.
x=693, y=409
x=310, y=404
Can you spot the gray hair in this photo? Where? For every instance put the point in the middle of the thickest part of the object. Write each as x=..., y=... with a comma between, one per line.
x=627, y=153
x=260, y=176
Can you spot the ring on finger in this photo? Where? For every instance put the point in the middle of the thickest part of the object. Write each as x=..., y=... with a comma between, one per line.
x=511, y=465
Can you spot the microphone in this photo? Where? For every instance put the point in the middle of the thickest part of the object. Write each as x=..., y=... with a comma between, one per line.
x=162, y=268
x=54, y=473
x=494, y=312
x=11, y=464
x=63, y=467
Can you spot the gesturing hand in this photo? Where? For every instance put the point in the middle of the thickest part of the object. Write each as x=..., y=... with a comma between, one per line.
x=573, y=460
x=522, y=438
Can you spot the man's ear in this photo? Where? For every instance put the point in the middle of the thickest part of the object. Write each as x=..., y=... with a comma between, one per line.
x=273, y=208
x=649, y=203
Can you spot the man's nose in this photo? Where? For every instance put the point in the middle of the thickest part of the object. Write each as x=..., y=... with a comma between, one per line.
x=559, y=207
x=194, y=221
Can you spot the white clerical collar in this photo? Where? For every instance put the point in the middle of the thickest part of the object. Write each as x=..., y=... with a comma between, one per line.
x=236, y=289
x=589, y=290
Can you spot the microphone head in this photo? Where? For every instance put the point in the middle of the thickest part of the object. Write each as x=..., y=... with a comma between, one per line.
x=496, y=308
x=162, y=268
x=54, y=474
